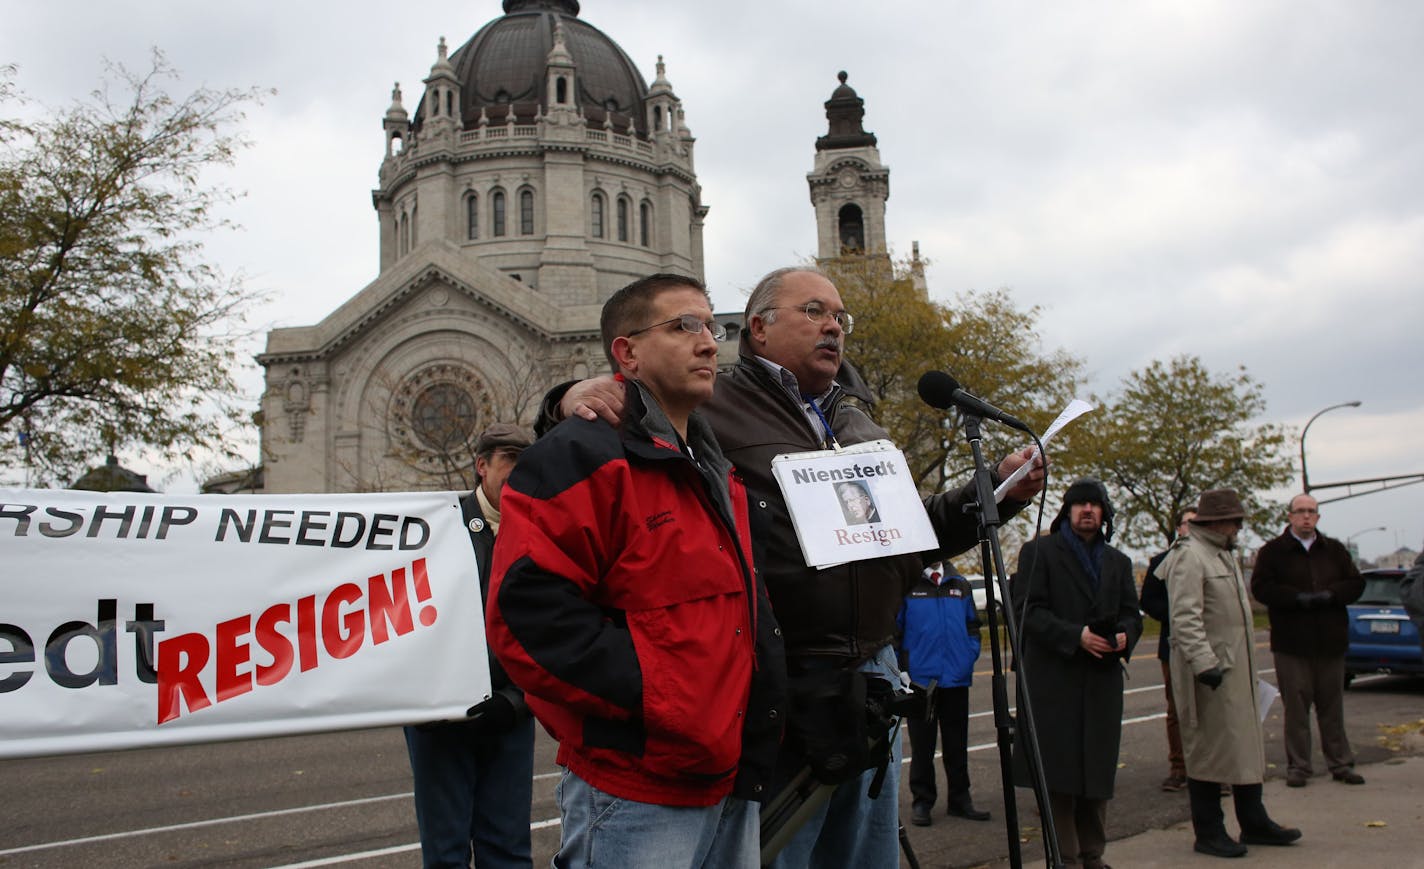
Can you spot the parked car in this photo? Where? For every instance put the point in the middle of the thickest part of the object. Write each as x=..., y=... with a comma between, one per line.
x=977, y=587
x=1382, y=638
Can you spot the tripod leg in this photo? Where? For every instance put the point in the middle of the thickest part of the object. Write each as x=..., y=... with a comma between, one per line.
x=909, y=852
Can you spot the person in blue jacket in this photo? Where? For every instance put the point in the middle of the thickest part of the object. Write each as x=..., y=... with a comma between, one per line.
x=938, y=644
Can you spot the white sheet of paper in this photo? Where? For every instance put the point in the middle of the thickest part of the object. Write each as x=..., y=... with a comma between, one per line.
x=1266, y=694
x=852, y=504
x=1076, y=408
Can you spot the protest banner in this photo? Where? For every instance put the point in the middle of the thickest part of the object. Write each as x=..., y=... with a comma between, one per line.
x=135, y=619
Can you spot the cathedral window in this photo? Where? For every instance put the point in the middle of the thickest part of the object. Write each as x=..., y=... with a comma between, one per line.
x=403, y=235
x=526, y=212
x=436, y=414
x=645, y=219
x=414, y=229
x=561, y=90
x=851, y=229
x=622, y=218
x=444, y=417
x=596, y=218
x=472, y=217
x=497, y=203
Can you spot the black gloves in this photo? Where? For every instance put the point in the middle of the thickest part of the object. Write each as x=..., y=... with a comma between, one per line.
x=1310, y=600
x=1210, y=678
x=493, y=716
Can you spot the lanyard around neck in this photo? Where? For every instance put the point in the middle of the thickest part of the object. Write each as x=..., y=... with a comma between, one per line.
x=830, y=435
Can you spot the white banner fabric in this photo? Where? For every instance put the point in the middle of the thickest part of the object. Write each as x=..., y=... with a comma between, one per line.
x=131, y=620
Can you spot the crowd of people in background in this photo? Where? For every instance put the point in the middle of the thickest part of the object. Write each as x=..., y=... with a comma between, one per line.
x=648, y=602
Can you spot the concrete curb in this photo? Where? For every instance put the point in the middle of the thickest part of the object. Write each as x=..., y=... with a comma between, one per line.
x=1379, y=823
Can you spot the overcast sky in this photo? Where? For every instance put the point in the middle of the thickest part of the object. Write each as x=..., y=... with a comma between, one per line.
x=1240, y=181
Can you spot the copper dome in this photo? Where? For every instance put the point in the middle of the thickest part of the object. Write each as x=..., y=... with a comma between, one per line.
x=502, y=67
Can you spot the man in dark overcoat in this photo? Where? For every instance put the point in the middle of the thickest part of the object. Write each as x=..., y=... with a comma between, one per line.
x=1078, y=603
x=474, y=777
x=1307, y=581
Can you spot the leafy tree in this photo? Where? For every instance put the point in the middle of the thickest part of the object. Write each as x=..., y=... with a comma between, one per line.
x=1174, y=430
x=983, y=339
x=116, y=329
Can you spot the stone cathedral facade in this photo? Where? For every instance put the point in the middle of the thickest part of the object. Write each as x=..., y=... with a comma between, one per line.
x=536, y=173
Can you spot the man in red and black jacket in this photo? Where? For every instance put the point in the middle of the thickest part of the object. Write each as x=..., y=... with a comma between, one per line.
x=625, y=604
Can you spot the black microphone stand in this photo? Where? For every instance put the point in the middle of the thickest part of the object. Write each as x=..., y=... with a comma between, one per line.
x=992, y=558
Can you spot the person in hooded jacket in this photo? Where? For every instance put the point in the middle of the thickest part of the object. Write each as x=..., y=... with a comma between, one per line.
x=1079, y=621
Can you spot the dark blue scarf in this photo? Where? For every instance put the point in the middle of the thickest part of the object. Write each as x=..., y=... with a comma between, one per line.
x=1090, y=556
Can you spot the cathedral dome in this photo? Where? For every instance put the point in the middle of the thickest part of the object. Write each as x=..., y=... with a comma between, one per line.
x=502, y=68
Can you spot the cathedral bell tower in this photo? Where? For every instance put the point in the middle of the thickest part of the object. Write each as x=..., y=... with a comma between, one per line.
x=849, y=185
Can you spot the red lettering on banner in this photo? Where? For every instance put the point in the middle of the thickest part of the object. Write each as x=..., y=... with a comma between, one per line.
x=422, y=592
x=390, y=605
x=344, y=611
x=180, y=660
x=231, y=655
x=306, y=632
x=341, y=644
x=274, y=643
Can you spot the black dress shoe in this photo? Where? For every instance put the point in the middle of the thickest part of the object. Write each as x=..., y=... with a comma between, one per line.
x=1219, y=845
x=920, y=815
x=1350, y=777
x=1273, y=834
x=967, y=811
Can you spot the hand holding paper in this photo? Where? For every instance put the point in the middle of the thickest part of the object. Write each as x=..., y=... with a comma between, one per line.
x=1076, y=408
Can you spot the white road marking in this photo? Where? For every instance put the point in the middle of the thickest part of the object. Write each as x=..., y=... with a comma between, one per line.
x=398, y=849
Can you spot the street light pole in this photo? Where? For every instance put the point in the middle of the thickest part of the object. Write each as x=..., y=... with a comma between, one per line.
x=1304, y=474
x=1364, y=531
x=1350, y=541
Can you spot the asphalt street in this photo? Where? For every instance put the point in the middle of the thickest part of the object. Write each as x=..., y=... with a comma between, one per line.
x=344, y=798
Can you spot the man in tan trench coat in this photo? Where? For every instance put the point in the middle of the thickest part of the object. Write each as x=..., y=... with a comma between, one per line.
x=1214, y=679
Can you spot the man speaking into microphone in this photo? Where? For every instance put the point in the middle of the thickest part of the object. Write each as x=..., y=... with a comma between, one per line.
x=792, y=392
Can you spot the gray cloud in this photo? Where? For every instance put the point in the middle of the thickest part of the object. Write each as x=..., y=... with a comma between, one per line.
x=1239, y=181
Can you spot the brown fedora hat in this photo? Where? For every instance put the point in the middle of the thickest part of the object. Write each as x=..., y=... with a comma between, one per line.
x=1218, y=505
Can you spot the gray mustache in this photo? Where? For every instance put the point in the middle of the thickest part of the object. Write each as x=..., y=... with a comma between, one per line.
x=831, y=343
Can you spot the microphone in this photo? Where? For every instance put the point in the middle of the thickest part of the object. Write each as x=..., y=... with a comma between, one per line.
x=942, y=391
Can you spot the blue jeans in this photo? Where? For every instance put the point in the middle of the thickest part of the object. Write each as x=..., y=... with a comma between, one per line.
x=850, y=829
x=602, y=831
x=472, y=793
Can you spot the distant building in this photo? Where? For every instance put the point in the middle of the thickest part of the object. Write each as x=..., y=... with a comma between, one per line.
x=535, y=174
x=112, y=477
x=1401, y=557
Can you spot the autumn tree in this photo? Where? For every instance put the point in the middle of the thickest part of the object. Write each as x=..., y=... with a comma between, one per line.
x=117, y=330
x=983, y=339
x=1174, y=430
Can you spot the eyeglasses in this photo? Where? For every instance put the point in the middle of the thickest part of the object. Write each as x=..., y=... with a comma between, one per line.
x=816, y=312
x=1305, y=511
x=690, y=323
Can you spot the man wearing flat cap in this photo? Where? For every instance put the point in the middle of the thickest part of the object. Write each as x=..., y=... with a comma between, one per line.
x=474, y=778
x=1214, y=678
x=1078, y=601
